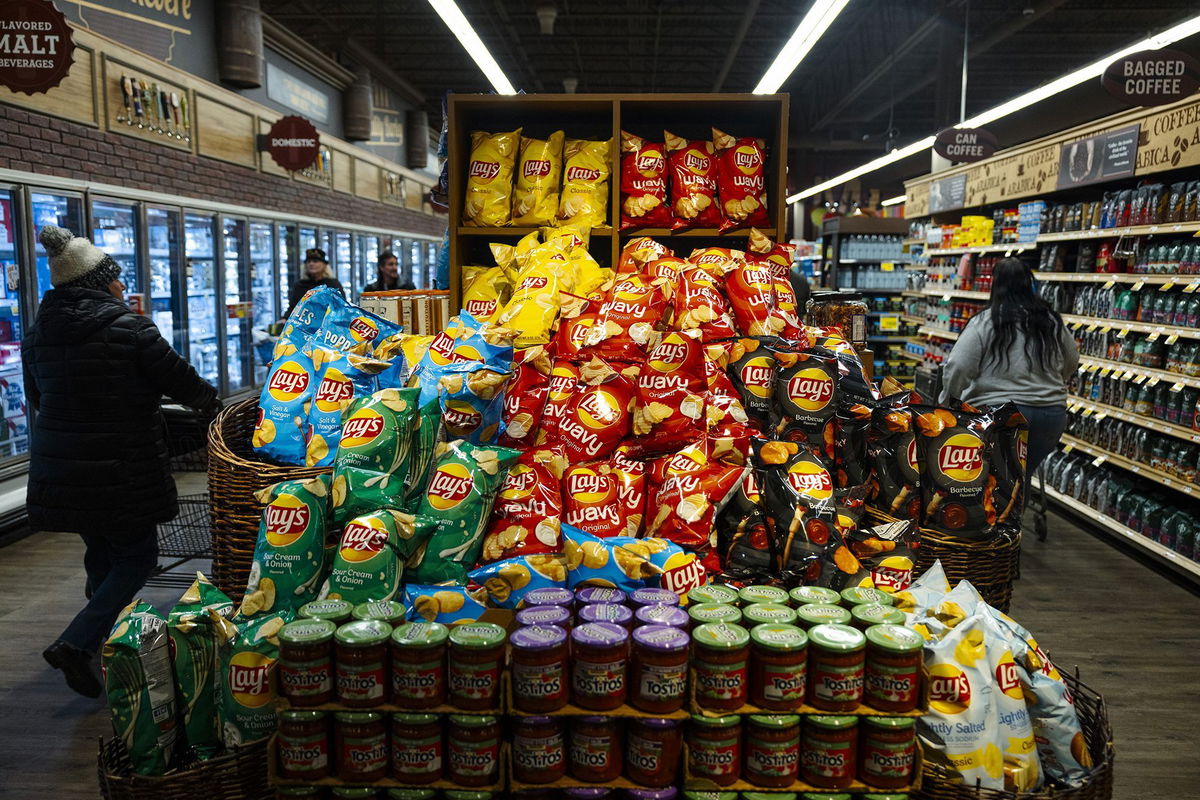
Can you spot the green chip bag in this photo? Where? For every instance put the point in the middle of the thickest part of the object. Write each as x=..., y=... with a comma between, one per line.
x=373, y=458
x=369, y=563
x=459, y=495
x=289, y=557
x=140, y=688
x=246, y=654
x=428, y=434
x=193, y=656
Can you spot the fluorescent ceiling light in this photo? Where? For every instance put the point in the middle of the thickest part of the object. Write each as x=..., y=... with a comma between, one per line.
x=893, y=201
x=808, y=32
x=1183, y=30
x=453, y=17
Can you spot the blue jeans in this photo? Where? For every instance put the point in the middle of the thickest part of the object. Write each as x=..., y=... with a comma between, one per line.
x=1046, y=425
x=116, y=572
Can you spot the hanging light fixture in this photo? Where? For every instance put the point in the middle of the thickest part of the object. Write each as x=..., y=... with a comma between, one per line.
x=546, y=14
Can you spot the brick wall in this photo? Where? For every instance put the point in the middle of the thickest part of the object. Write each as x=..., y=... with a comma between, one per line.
x=34, y=142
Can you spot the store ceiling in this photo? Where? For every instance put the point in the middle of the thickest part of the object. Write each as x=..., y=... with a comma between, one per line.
x=869, y=83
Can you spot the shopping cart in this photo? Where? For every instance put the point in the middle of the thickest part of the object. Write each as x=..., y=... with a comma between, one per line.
x=187, y=538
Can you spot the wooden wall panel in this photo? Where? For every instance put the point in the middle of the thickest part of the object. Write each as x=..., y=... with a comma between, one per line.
x=367, y=180
x=73, y=99
x=225, y=133
x=343, y=171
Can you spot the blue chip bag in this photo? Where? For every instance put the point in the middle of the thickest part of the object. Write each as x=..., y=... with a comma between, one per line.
x=449, y=605
x=283, y=410
x=626, y=563
x=508, y=581
x=342, y=377
x=471, y=397
x=464, y=339
x=306, y=318
x=352, y=329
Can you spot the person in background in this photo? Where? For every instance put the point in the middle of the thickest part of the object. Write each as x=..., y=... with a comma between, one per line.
x=387, y=276
x=316, y=273
x=95, y=373
x=1016, y=349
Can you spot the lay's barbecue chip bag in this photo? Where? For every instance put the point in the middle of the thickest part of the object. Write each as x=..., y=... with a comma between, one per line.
x=140, y=689
x=955, y=448
x=369, y=564
x=246, y=655
x=283, y=409
x=289, y=556
x=193, y=657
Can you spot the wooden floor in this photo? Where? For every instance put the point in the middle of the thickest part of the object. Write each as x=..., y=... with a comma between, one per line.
x=1133, y=634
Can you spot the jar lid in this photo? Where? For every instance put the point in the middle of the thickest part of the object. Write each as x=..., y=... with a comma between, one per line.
x=662, y=638
x=307, y=631
x=803, y=595
x=715, y=612
x=538, y=637
x=302, y=716
x=597, y=720
x=775, y=720
x=662, y=615
x=461, y=795
x=891, y=723
x=420, y=634
x=884, y=797
x=857, y=595
x=599, y=594
x=721, y=635
x=336, y=610
x=414, y=719
x=412, y=794
x=606, y=612
x=769, y=796
x=877, y=614
x=762, y=594
x=758, y=613
x=779, y=637
x=354, y=791
x=473, y=720
x=297, y=791
x=842, y=638
x=599, y=634
x=386, y=610
x=820, y=613
x=544, y=615
x=534, y=720
x=895, y=637
x=480, y=635
x=550, y=596
x=716, y=722
x=712, y=593
x=666, y=793
x=589, y=792
x=363, y=633
x=832, y=722
x=654, y=597
x=357, y=717
x=824, y=796
x=660, y=724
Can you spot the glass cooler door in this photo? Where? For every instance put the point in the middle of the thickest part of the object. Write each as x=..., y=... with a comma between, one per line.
x=238, y=308
x=63, y=210
x=262, y=289
x=166, y=295
x=201, y=272
x=14, y=429
x=114, y=230
x=344, y=264
x=289, y=262
x=368, y=255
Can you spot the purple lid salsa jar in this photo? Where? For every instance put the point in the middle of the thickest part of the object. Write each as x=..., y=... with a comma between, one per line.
x=607, y=612
x=551, y=596
x=653, y=597
x=539, y=668
x=665, y=793
x=599, y=652
x=673, y=616
x=659, y=669
x=599, y=594
x=545, y=615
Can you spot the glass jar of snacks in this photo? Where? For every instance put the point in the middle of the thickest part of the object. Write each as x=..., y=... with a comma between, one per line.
x=715, y=748
x=362, y=650
x=652, y=751
x=538, y=750
x=551, y=596
x=302, y=743
x=474, y=662
x=472, y=749
x=658, y=674
x=419, y=665
x=892, y=680
x=772, y=750
x=835, y=667
x=830, y=752
x=539, y=668
x=599, y=656
x=778, y=657
x=596, y=751
x=417, y=750
x=721, y=654
x=306, y=662
x=888, y=751
x=360, y=739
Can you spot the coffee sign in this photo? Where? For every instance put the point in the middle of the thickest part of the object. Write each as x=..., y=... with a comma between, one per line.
x=1152, y=77
x=36, y=50
x=965, y=144
x=293, y=143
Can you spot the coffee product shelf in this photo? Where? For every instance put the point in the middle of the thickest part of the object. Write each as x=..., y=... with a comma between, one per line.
x=1140, y=327
x=1163, y=554
x=1099, y=410
x=915, y=320
x=1136, y=467
x=979, y=249
x=1129, y=230
x=963, y=293
x=937, y=332
x=1117, y=277
x=1135, y=369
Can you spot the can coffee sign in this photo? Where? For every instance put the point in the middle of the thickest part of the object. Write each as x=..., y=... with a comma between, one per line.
x=965, y=144
x=36, y=50
x=293, y=143
x=1152, y=77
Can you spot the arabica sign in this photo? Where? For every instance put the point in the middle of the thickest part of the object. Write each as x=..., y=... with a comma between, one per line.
x=965, y=144
x=36, y=50
x=293, y=142
x=1152, y=77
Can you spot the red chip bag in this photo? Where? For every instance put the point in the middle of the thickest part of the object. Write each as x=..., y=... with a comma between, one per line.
x=631, y=491
x=592, y=500
x=598, y=414
x=700, y=305
x=628, y=323
x=639, y=252
x=572, y=334
x=688, y=500
x=752, y=293
x=740, y=181
x=717, y=261
x=693, y=188
x=776, y=255
x=729, y=428
x=564, y=379
x=669, y=410
x=525, y=397
x=667, y=269
x=643, y=184
x=527, y=515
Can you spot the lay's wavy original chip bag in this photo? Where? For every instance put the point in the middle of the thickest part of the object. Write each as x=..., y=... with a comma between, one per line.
x=283, y=409
x=535, y=201
x=369, y=563
x=289, y=557
x=740, y=181
x=488, y=200
x=643, y=184
x=585, y=183
x=693, y=184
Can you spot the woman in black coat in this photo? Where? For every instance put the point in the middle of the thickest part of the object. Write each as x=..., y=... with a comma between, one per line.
x=95, y=374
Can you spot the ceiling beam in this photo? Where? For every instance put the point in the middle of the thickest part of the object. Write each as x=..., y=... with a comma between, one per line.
x=736, y=43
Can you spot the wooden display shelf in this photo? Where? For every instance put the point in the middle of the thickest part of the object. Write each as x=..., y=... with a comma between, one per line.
x=912, y=356
x=692, y=783
x=1118, y=277
x=938, y=333
x=1135, y=369
x=281, y=704
x=1136, y=467
x=979, y=249
x=912, y=318
x=1128, y=230
x=1093, y=323
x=946, y=294
x=1101, y=410
x=517, y=230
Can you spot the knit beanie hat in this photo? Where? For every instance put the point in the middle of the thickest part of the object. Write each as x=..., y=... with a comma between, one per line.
x=76, y=262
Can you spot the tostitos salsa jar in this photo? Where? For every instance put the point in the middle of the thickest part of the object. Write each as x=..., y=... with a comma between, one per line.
x=473, y=666
x=599, y=657
x=720, y=664
x=539, y=668
x=836, y=656
x=892, y=675
x=658, y=671
x=778, y=657
x=419, y=665
x=715, y=748
x=306, y=662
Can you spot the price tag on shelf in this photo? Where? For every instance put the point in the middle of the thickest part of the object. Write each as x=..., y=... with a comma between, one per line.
x=1140, y=379
x=1108, y=284
x=1098, y=460
x=1166, y=287
x=889, y=323
x=1177, y=387
x=1069, y=447
x=1092, y=327
x=1093, y=367
x=1173, y=338
x=1138, y=285
x=1087, y=412
x=1154, y=381
x=1191, y=287
x=1101, y=415
x=1121, y=334
x=1074, y=325
x=1153, y=337
x=1105, y=372
x=1105, y=328
x=945, y=298
x=887, y=266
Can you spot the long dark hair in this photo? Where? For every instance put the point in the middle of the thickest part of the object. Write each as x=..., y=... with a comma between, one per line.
x=1016, y=308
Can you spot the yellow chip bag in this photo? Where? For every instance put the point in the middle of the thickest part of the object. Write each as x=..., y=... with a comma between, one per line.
x=486, y=293
x=535, y=200
x=535, y=304
x=585, y=183
x=586, y=273
x=488, y=200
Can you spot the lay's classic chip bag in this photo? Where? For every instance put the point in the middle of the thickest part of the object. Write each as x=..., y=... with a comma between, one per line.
x=341, y=377
x=141, y=693
x=488, y=199
x=539, y=172
x=535, y=304
x=289, y=557
x=486, y=293
x=509, y=580
x=374, y=455
x=585, y=183
x=283, y=409
x=369, y=564
x=193, y=657
x=246, y=654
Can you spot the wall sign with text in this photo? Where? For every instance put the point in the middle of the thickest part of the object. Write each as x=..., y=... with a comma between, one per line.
x=965, y=144
x=293, y=143
x=1103, y=157
x=36, y=49
x=1152, y=77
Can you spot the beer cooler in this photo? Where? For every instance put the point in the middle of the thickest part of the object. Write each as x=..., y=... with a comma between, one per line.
x=14, y=429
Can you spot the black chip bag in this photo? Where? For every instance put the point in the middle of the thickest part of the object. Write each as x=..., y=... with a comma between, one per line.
x=744, y=544
x=892, y=453
x=752, y=371
x=955, y=454
x=853, y=424
x=886, y=554
x=1008, y=463
x=804, y=405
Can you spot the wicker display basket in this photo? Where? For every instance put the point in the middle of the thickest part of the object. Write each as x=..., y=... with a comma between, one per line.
x=240, y=775
x=234, y=475
x=990, y=565
x=937, y=784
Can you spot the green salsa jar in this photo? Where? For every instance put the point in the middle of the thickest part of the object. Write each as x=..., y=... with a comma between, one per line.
x=336, y=611
x=762, y=594
x=821, y=614
x=861, y=595
x=892, y=679
x=712, y=593
x=419, y=665
x=773, y=613
x=388, y=611
x=778, y=658
x=720, y=661
x=804, y=595
x=868, y=614
x=714, y=612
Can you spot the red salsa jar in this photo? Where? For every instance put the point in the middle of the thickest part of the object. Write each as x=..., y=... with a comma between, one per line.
x=650, y=596
x=772, y=750
x=778, y=655
x=599, y=655
x=419, y=665
x=306, y=662
x=545, y=615
x=606, y=612
x=595, y=751
x=652, y=750
x=658, y=675
x=417, y=750
x=893, y=668
x=888, y=749
x=473, y=750
x=473, y=665
x=362, y=651
x=539, y=668
x=303, y=745
x=836, y=654
x=360, y=739
x=812, y=614
x=720, y=655
x=715, y=748
x=830, y=752
x=587, y=595
x=539, y=750
x=674, y=616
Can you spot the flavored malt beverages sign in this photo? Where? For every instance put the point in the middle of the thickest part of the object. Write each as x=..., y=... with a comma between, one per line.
x=36, y=50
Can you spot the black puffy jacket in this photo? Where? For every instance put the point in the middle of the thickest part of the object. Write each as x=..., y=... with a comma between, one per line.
x=95, y=374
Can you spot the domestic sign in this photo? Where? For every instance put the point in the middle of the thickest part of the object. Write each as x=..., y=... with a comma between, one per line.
x=293, y=143
x=965, y=144
x=36, y=50
x=948, y=193
x=1102, y=157
x=1152, y=77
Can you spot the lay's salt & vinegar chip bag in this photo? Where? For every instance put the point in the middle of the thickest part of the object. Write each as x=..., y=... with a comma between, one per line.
x=585, y=183
x=369, y=563
x=283, y=409
x=289, y=556
x=535, y=200
x=372, y=464
x=246, y=655
x=193, y=657
x=488, y=199
x=341, y=377
x=140, y=689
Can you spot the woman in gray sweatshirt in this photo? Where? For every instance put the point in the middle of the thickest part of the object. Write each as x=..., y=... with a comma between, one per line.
x=1016, y=349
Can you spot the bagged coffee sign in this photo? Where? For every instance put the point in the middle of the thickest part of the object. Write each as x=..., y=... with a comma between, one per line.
x=36, y=51
x=1152, y=77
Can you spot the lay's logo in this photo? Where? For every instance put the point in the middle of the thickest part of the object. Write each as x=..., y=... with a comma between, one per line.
x=811, y=389
x=484, y=170
x=668, y=356
x=362, y=542
x=288, y=382
x=949, y=689
x=363, y=329
x=562, y=384
x=746, y=158
x=480, y=309
x=536, y=168
x=249, y=679
x=362, y=428
x=696, y=162
x=461, y=415
x=449, y=486
x=755, y=375
x=810, y=479
x=333, y=390
x=1023, y=448
x=960, y=457
x=683, y=463
x=519, y=483
x=682, y=573
x=650, y=162
x=1007, y=677
x=587, y=486
x=894, y=574
x=910, y=453
x=533, y=282
x=599, y=409
x=286, y=519
x=583, y=174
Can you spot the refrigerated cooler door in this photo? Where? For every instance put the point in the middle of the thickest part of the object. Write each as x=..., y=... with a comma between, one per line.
x=65, y=211
x=368, y=258
x=289, y=263
x=262, y=293
x=345, y=264
x=201, y=275
x=238, y=311
x=114, y=230
x=14, y=428
x=166, y=295
x=417, y=249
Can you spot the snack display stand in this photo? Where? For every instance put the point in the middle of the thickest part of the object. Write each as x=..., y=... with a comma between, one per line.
x=240, y=775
